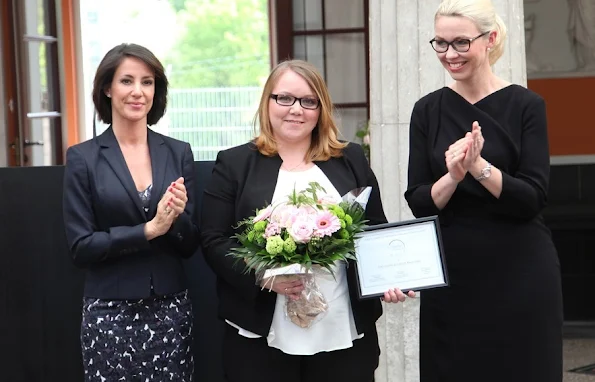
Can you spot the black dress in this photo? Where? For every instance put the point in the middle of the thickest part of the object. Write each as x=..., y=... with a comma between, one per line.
x=501, y=317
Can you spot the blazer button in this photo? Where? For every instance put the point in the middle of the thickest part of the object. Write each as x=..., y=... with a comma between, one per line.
x=180, y=237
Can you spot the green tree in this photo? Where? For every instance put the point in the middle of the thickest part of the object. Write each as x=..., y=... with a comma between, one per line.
x=178, y=5
x=223, y=43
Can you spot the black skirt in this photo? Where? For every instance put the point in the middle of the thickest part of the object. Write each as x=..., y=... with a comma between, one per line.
x=144, y=340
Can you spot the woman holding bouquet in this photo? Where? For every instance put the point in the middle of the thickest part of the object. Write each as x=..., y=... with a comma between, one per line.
x=479, y=159
x=297, y=144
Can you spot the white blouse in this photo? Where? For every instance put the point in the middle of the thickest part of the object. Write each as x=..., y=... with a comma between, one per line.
x=336, y=329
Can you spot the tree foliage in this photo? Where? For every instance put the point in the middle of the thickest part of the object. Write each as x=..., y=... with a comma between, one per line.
x=223, y=43
x=178, y=5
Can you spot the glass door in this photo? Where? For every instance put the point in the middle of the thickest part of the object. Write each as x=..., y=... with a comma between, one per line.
x=31, y=86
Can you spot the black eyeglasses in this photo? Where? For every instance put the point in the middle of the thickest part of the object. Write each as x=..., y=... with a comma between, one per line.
x=287, y=100
x=461, y=45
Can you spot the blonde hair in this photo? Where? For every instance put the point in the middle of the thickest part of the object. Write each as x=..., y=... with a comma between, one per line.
x=325, y=143
x=483, y=14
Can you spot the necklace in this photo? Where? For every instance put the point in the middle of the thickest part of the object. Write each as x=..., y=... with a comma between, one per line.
x=292, y=168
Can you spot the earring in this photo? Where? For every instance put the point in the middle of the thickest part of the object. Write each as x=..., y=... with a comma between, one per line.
x=489, y=49
x=110, y=96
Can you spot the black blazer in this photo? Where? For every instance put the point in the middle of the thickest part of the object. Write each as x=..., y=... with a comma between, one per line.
x=104, y=218
x=244, y=180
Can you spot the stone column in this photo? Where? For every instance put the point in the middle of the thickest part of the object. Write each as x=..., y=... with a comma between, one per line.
x=403, y=68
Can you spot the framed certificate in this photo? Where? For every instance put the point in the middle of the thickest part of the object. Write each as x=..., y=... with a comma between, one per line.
x=407, y=255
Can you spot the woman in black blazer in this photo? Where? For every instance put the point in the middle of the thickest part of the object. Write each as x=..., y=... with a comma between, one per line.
x=297, y=144
x=128, y=205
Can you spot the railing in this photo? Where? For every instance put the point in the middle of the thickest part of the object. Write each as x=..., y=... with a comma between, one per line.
x=210, y=119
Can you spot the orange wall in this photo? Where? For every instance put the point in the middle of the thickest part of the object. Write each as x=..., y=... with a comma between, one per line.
x=570, y=104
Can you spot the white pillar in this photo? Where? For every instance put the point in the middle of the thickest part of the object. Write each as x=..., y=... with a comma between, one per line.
x=403, y=68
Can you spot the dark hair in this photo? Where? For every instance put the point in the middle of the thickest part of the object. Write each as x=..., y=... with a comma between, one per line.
x=105, y=75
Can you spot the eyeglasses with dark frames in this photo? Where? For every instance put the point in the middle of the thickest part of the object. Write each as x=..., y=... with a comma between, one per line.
x=288, y=100
x=460, y=45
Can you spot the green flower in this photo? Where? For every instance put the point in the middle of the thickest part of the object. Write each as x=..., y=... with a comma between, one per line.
x=289, y=245
x=274, y=245
x=260, y=240
x=343, y=233
x=348, y=220
x=260, y=226
x=338, y=211
x=251, y=236
x=343, y=223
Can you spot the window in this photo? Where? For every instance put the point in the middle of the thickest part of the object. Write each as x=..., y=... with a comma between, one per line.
x=32, y=83
x=333, y=35
x=216, y=56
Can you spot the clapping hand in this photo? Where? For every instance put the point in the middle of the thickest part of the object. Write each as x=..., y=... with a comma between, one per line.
x=170, y=206
x=464, y=153
x=455, y=156
x=176, y=197
x=473, y=153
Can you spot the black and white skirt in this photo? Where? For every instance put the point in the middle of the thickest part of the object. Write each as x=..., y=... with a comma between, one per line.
x=138, y=340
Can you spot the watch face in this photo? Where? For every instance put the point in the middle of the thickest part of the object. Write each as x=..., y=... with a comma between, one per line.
x=486, y=172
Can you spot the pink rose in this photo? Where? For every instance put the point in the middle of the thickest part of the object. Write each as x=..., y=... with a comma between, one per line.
x=272, y=229
x=302, y=229
x=285, y=215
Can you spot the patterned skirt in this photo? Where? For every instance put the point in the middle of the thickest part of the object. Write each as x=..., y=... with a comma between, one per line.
x=138, y=340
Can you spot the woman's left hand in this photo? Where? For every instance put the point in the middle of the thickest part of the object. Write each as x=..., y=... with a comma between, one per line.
x=473, y=154
x=178, y=196
x=395, y=295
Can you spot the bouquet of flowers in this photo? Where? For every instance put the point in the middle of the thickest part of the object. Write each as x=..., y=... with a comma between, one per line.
x=298, y=236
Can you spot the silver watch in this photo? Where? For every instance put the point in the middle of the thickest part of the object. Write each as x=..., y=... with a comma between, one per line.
x=485, y=172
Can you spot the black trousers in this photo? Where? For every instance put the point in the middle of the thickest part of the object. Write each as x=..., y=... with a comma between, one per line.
x=252, y=360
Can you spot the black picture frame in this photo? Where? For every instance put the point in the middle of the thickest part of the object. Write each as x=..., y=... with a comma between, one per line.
x=362, y=294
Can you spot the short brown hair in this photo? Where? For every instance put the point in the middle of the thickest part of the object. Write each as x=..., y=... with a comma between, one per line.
x=105, y=75
x=325, y=143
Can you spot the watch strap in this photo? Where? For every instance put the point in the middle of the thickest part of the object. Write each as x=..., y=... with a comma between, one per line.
x=486, y=170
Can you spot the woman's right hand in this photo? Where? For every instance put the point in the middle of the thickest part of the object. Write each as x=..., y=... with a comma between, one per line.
x=473, y=154
x=164, y=218
x=290, y=285
x=455, y=155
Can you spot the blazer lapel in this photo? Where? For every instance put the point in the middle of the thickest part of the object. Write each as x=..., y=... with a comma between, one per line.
x=113, y=155
x=264, y=181
x=341, y=179
x=159, y=156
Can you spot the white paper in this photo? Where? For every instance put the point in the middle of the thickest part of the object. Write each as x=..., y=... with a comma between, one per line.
x=405, y=257
x=292, y=269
